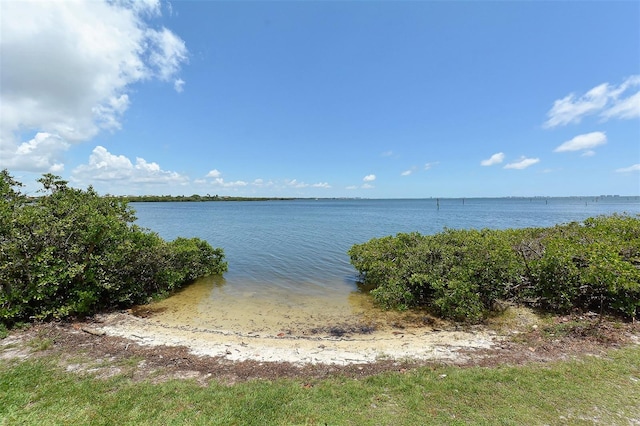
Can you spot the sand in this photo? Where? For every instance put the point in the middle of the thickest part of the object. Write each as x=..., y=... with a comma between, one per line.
x=337, y=345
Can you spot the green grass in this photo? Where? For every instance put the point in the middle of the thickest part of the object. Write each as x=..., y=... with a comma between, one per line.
x=605, y=390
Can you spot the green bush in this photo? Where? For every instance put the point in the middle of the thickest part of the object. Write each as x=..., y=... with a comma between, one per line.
x=461, y=274
x=594, y=265
x=73, y=252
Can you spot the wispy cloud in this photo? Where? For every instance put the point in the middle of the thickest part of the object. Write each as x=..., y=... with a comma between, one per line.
x=214, y=173
x=626, y=108
x=261, y=182
x=387, y=154
x=295, y=184
x=178, y=85
x=523, y=163
x=633, y=168
x=494, y=159
x=321, y=185
x=587, y=141
x=366, y=185
x=606, y=100
x=413, y=169
x=235, y=184
x=367, y=179
x=429, y=166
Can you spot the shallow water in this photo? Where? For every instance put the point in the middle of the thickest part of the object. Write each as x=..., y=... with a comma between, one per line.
x=288, y=266
x=209, y=304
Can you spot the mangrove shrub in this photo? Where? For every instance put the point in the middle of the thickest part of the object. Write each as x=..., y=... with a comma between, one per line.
x=462, y=274
x=73, y=252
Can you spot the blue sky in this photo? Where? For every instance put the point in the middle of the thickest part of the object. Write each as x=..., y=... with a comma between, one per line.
x=325, y=98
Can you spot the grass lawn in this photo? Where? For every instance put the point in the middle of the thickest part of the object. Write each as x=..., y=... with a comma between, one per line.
x=603, y=390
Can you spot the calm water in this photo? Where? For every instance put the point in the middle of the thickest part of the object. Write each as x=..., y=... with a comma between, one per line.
x=300, y=247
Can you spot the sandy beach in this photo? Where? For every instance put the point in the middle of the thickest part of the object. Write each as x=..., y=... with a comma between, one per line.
x=326, y=347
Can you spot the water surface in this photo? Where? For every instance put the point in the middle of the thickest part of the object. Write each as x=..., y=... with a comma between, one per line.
x=288, y=259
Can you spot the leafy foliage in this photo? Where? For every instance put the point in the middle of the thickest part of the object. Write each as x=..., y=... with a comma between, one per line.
x=461, y=274
x=72, y=252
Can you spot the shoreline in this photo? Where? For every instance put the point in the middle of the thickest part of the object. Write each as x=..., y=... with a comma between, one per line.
x=414, y=344
x=145, y=349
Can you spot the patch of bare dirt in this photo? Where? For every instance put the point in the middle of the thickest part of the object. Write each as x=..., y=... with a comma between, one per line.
x=87, y=348
x=562, y=338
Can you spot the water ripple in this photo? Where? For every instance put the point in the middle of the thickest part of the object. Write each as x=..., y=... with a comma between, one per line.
x=302, y=245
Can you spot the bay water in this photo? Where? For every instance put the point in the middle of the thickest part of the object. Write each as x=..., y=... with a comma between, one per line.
x=288, y=258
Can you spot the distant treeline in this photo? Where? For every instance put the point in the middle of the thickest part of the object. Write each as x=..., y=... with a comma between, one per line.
x=194, y=197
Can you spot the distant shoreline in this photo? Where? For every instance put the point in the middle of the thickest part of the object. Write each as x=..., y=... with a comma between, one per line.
x=209, y=198
x=195, y=198
x=202, y=198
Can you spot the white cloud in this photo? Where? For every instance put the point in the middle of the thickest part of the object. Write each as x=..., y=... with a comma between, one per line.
x=67, y=67
x=104, y=166
x=633, y=168
x=367, y=186
x=141, y=164
x=606, y=99
x=321, y=185
x=169, y=7
x=149, y=7
x=589, y=153
x=167, y=52
x=626, y=108
x=221, y=182
x=43, y=153
x=586, y=141
x=351, y=187
x=494, y=159
x=523, y=163
x=178, y=85
x=571, y=110
x=294, y=183
x=260, y=182
x=216, y=175
x=369, y=178
x=429, y=166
